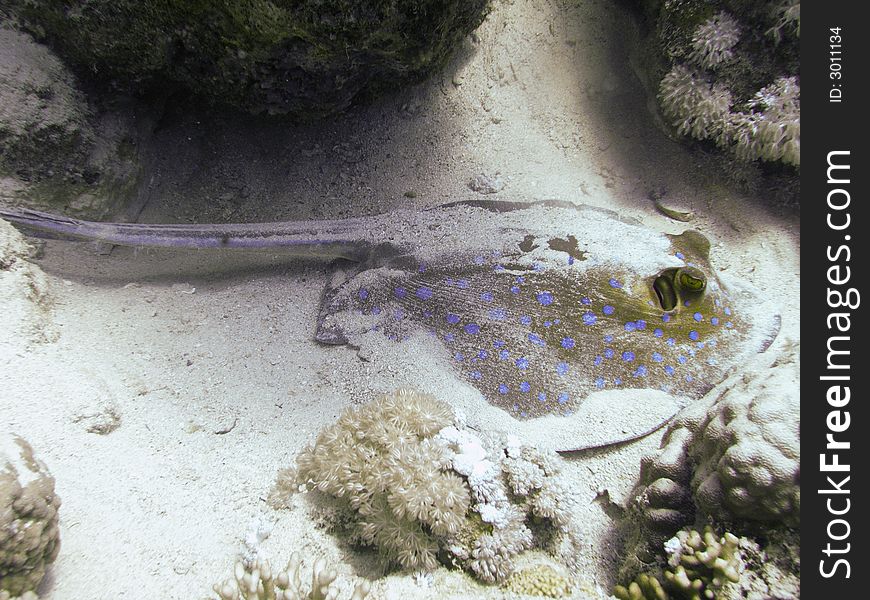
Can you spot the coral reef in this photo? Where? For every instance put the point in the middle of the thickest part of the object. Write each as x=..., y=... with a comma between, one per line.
x=257, y=581
x=29, y=534
x=43, y=117
x=539, y=580
x=420, y=489
x=734, y=456
x=728, y=73
x=703, y=565
x=700, y=565
x=307, y=58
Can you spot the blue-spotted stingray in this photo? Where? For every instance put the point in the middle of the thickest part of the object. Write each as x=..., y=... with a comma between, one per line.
x=537, y=304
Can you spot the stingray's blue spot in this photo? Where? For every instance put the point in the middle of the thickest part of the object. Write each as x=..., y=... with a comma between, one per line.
x=640, y=371
x=689, y=379
x=666, y=317
x=641, y=324
x=475, y=375
x=545, y=298
x=608, y=310
x=628, y=356
x=691, y=352
x=448, y=281
x=556, y=321
x=458, y=357
x=462, y=284
x=563, y=397
x=617, y=381
x=598, y=360
x=424, y=293
x=497, y=314
x=686, y=303
x=431, y=331
x=498, y=268
x=452, y=319
x=421, y=268
x=562, y=368
x=671, y=342
x=538, y=267
x=548, y=323
x=714, y=321
x=537, y=340
x=503, y=389
x=615, y=283
x=585, y=301
x=658, y=332
x=570, y=260
x=609, y=353
x=398, y=314
x=520, y=279
x=504, y=354
x=427, y=314
x=400, y=292
x=599, y=382
x=486, y=296
x=698, y=317
x=526, y=320
x=449, y=337
x=515, y=289
x=694, y=335
x=701, y=345
x=669, y=370
x=363, y=293
x=718, y=303
x=631, y=326
x=478, y=260
x=657, y=357
x=568, y=343
x=542, y=396
x=376, y=310
x=711, y=343
x=608, y=338
x=471, y=328
x=682, y=359
x=589, y=318
x=727, y=311
x=680, y=255
x=498, y=343
x=729, y=324
x=525, y=387
x=522, y=363
x=482, y=354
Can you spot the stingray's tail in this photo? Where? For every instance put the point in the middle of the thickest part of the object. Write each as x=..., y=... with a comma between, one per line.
x=325, y=238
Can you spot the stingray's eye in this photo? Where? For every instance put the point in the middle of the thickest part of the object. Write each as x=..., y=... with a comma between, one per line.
x=690, y=279
x=675, y=285
x=664, y=288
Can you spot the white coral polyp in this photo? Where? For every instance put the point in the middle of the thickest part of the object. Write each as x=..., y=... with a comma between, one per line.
x=713, y=41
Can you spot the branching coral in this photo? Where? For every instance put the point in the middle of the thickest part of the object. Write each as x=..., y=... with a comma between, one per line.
x=700, y=564
x=29, y=534
x=257, y=581
x=417, y=488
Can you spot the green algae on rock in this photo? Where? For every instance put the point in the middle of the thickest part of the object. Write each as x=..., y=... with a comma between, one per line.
x=308, y=58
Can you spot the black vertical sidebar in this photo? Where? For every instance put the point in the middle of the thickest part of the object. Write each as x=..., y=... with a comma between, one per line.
x=835, y=425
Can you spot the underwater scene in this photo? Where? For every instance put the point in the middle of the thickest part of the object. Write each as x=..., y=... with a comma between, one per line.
x=400, y=300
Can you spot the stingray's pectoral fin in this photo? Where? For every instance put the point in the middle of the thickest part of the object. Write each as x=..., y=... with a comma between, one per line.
x=329, y=329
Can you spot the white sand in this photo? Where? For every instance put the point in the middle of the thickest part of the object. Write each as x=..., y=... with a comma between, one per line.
x=181, y=346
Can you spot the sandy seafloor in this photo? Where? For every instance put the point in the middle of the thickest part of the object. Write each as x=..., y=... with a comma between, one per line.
x=181, y=345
